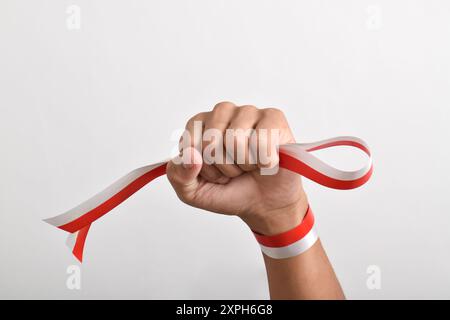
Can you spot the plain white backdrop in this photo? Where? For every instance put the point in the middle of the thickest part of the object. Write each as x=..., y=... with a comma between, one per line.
x=80, y=107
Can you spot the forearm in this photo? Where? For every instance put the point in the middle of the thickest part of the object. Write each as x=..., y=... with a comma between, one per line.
x=306, y=276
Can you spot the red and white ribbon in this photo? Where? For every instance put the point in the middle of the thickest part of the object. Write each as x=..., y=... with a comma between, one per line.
x=294, y=157
x=290, y=243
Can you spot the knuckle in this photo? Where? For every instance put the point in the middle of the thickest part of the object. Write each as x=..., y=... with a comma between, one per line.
x=223, y=106
x=247, y=109
x=197, y=117
x=273, y=112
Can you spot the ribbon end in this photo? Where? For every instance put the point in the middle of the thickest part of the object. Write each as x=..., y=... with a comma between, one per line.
x=78, y=256
x=75, y=242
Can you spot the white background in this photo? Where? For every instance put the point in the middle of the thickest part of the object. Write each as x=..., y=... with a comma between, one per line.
x=80, y=108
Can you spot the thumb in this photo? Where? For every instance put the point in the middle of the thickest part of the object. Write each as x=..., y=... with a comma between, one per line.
x=183, y=172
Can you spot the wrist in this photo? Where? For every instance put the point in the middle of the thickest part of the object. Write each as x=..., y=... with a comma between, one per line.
x=279, y=220
x=290, y=243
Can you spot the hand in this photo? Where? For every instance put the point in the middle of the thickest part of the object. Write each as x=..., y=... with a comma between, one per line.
x=269, y=204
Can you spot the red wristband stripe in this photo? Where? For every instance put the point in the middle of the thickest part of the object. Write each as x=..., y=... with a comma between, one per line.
x=289, y=237
x=290, y=243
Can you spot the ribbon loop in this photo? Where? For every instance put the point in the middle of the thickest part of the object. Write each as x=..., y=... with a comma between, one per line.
x=298, y=158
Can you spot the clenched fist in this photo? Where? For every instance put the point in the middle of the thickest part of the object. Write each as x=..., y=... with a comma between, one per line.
x=221, y=168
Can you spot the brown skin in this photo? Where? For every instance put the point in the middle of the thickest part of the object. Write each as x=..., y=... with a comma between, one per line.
x=268, y=204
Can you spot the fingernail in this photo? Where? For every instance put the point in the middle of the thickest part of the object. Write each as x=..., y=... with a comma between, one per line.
x=188, y=165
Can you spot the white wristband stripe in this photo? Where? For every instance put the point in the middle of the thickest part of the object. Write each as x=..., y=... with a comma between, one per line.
x=293, y=249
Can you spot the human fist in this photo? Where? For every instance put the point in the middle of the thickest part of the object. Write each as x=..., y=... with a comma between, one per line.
x=229, y=164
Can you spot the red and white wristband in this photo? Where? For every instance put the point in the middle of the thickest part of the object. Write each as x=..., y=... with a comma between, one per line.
x=294, y=157
x=292, y=242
